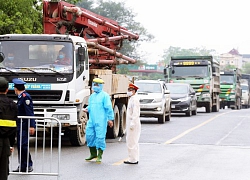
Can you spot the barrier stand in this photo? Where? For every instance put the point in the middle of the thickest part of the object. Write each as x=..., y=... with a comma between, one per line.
x=45, y=162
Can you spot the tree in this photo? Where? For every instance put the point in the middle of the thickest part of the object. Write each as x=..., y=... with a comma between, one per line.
x=118, y=12
x=177, y=51
x=246, y=68
x=20, y=16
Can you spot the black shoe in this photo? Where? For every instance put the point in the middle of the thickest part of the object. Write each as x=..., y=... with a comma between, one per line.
x=16, y=170
x=127, y=162
x=30, y=169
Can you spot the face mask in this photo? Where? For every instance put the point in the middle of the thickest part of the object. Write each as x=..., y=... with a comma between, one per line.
x=11, y=58
x=97, y=89
x=129, y=93
x=61, y=56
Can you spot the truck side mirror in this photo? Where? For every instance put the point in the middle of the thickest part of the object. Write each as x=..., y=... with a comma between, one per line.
x=164, y=71
x=1, y=57
x=81, y=53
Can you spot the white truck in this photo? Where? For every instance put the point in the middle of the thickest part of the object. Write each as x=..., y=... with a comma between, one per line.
x=245, y=86
x=62, y=91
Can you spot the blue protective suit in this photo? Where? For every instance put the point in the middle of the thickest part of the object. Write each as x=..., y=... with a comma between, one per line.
x=100, y=112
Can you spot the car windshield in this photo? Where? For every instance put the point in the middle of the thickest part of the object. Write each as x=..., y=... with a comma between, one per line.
x=177, y=89
x=149, y=87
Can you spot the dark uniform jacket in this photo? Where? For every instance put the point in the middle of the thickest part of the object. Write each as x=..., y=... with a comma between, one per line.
x=8, y=118
x=25, y=108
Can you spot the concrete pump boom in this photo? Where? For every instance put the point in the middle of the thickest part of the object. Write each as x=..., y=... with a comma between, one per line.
x=104, y=36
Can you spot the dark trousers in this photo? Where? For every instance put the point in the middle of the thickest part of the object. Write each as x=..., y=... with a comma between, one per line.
x=4, y=158
x=22, y=147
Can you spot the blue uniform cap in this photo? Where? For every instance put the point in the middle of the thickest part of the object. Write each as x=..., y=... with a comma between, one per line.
x=18, y=81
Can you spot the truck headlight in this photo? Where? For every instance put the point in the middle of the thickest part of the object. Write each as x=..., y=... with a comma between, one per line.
x=61, y=116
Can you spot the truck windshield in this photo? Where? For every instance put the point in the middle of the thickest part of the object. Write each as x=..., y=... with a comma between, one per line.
x=226, y=79
x=185, y=71
x=244, y=88
x=37, y=57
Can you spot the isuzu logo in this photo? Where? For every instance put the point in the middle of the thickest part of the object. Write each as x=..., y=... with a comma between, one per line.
x=61, y=79
x=31, y=79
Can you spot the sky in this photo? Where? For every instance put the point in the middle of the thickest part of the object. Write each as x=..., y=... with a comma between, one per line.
x=213, y=24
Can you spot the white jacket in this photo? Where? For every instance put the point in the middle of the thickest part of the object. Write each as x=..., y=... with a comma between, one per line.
x=133, y=128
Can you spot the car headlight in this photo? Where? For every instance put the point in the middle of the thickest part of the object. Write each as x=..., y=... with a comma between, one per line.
x=183, y=99
x=61, y=116
x=157, y=100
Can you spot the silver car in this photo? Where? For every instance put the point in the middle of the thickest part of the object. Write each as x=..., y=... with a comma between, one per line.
x=154, y=99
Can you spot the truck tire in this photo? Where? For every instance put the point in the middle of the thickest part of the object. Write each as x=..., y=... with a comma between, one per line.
x=216, y=107
x=162, y=118
x=238, y=103
x=123, y=116
x=208, y=108
x=114, y=131
x=77, y=137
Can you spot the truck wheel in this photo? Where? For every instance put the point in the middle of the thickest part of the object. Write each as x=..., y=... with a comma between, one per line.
x=238, y=103
x=114, y=131
x=123, y=115
x=208, y=108
x=77, y=137
x=216, y=107
x=162, y=118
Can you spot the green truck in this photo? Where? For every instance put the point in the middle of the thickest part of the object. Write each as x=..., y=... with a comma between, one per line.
x=202, y=73
x=231, y=92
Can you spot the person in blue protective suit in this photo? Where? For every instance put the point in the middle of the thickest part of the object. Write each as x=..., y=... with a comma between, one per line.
x=26, y=127
x=101, y=115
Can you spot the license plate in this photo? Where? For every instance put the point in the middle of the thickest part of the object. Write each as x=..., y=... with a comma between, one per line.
x=172, y=106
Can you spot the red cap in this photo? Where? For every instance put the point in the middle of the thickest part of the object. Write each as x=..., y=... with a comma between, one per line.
x=131, y=85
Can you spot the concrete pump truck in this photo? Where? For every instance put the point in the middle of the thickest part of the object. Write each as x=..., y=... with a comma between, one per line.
x=91, y=43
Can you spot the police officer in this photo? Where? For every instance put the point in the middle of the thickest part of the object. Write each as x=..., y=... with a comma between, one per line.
x=8, y=118
x=25, y=108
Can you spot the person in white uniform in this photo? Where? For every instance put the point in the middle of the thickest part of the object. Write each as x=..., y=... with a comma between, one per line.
x=133, y=125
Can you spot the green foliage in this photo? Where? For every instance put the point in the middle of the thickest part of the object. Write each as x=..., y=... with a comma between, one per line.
x=124, y=16
x=177, y=51
x=86, y=4
x=20, y=16
x=246, y=68
x=152, y=76
x=228, y=67
x=72, y=1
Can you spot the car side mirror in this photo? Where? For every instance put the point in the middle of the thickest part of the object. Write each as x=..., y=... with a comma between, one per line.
x=192, y=93
x=167, y=92
x=1, y=57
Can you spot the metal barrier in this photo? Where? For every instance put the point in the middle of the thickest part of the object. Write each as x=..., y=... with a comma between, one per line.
x=45, y=155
